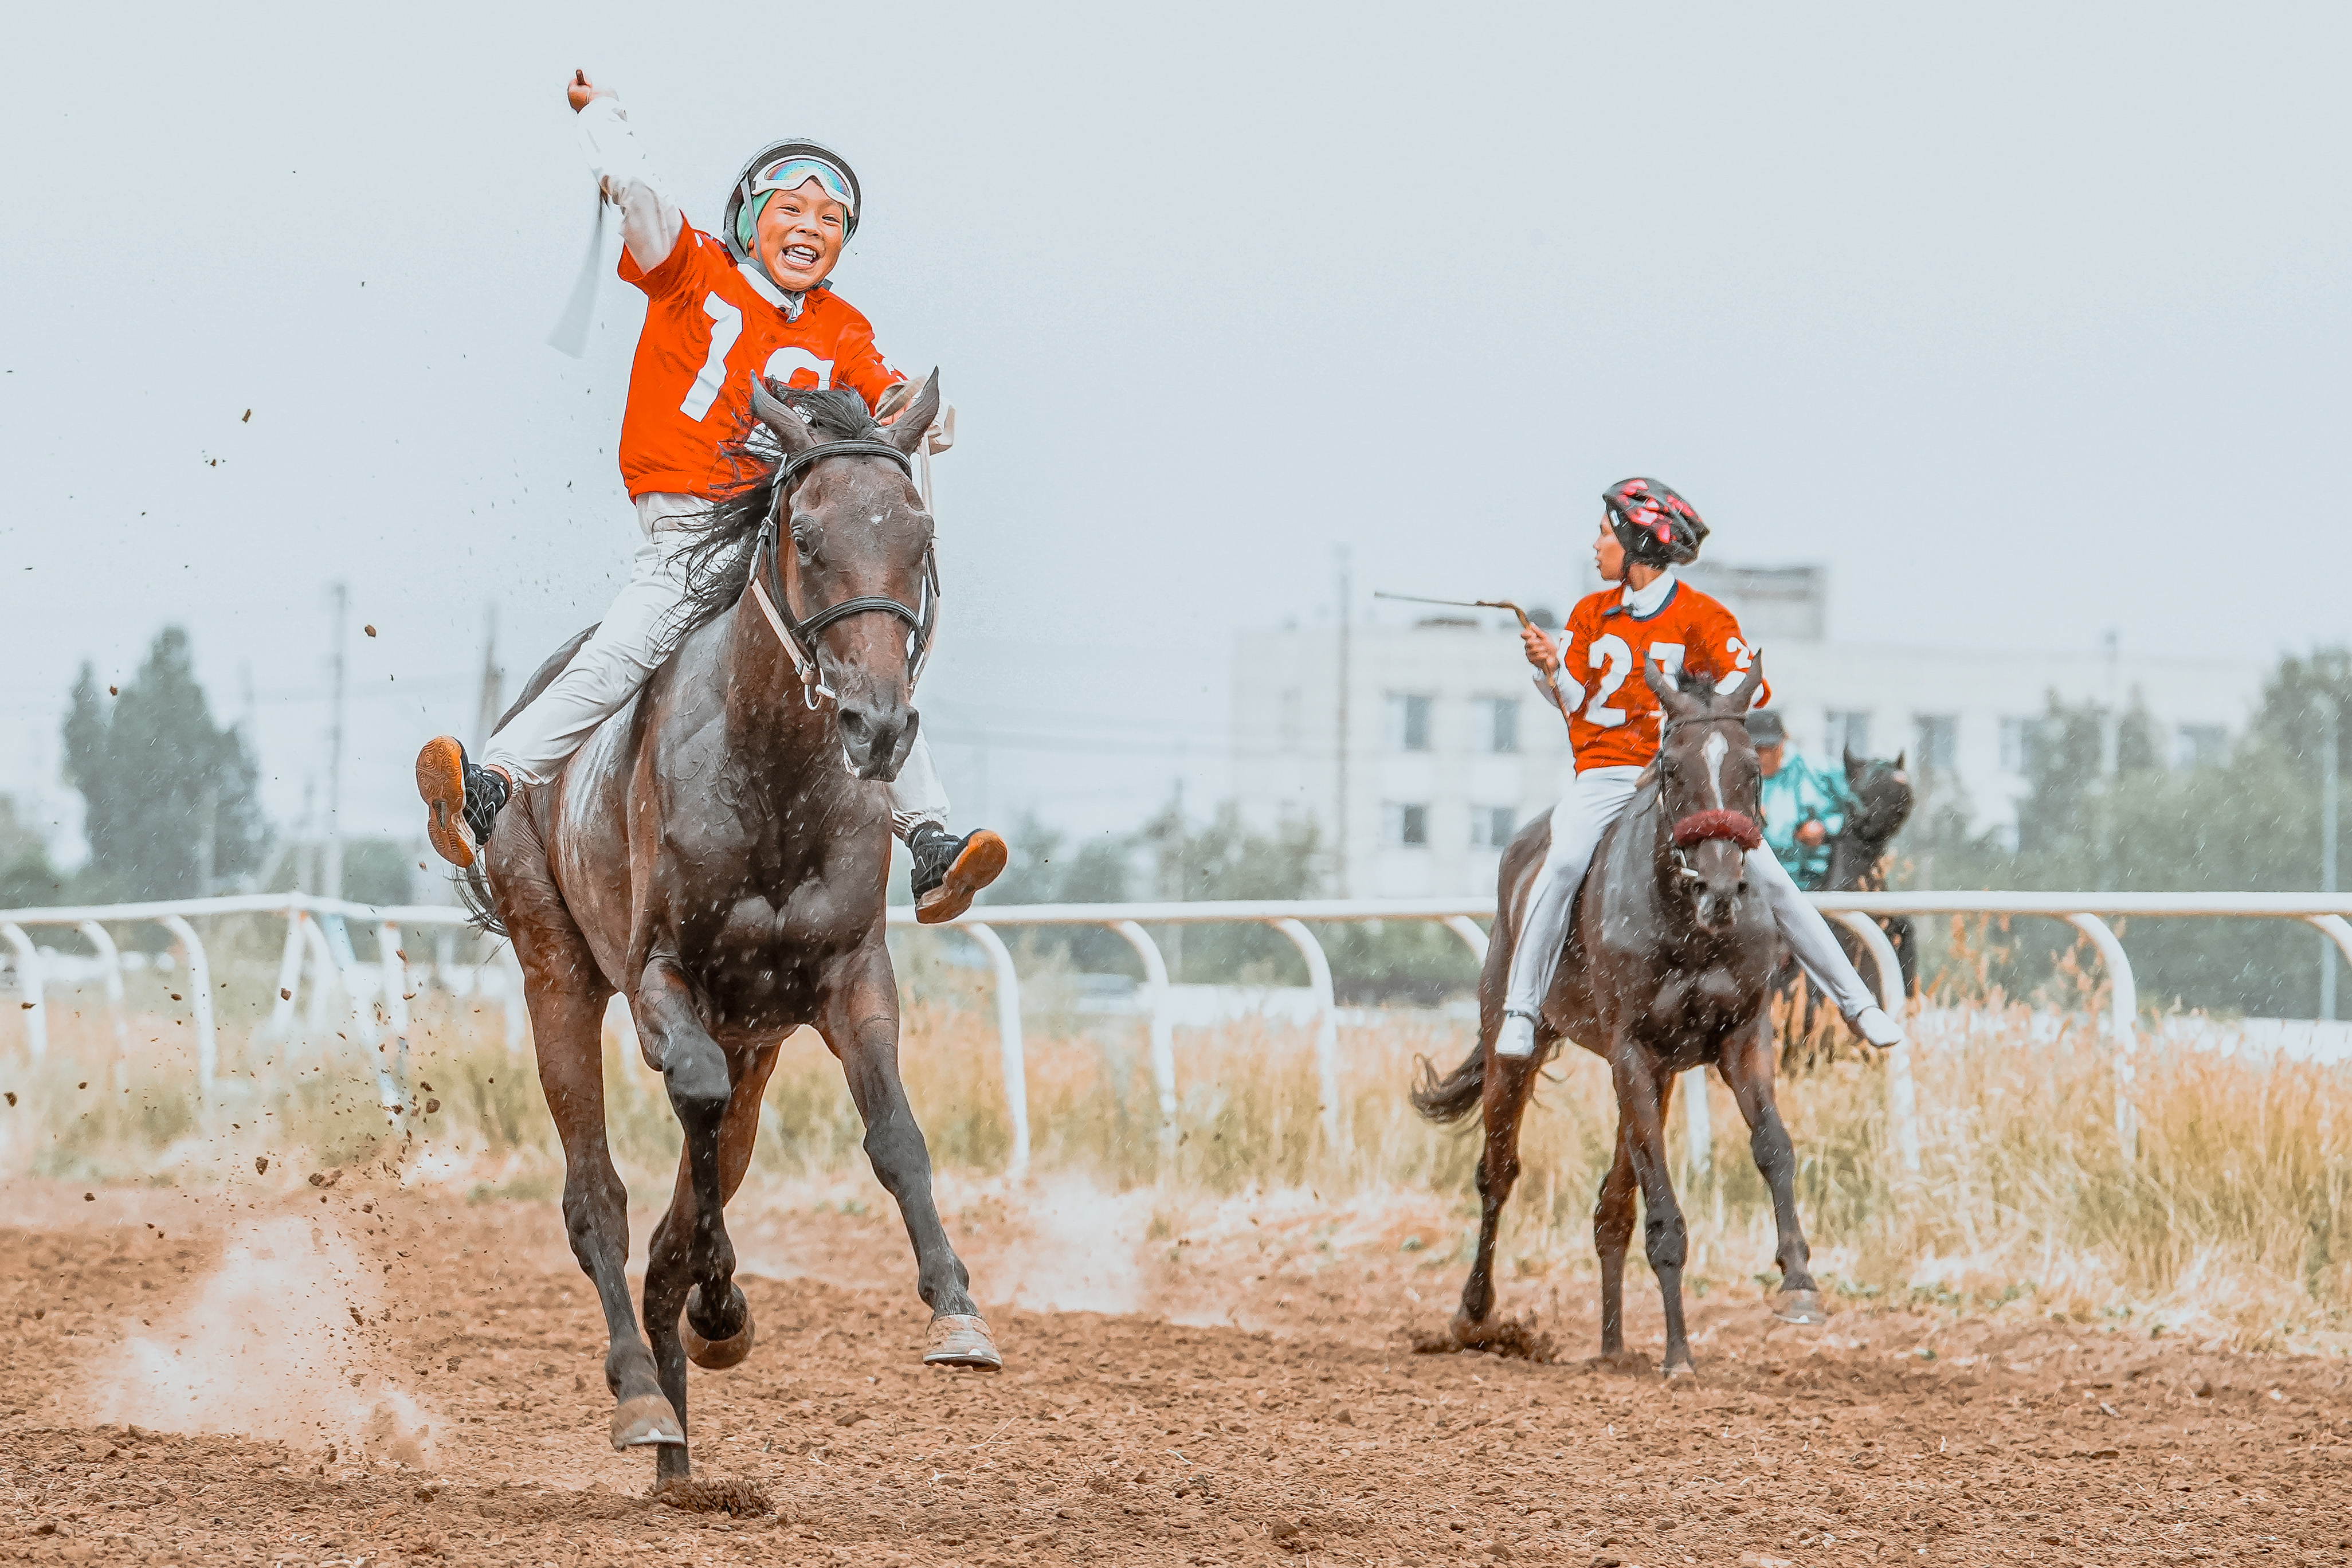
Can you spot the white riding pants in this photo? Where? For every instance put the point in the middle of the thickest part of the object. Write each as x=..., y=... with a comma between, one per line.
x=1596, y=798
x=636, y=634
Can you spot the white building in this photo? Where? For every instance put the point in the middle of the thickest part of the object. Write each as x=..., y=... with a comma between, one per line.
x=1448, y=747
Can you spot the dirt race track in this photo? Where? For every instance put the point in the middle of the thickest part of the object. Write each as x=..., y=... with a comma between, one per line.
x=407, y=1394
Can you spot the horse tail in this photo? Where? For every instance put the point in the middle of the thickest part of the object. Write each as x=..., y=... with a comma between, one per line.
x=474, y=897
x=1448, y=1100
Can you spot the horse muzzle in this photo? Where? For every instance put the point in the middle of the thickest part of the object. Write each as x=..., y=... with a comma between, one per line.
x=875, y=737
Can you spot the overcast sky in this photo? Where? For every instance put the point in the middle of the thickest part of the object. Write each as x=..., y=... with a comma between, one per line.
x=2032, y=324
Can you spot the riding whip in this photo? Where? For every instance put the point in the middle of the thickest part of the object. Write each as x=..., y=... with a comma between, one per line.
x=569, y=336
x=1550, y=682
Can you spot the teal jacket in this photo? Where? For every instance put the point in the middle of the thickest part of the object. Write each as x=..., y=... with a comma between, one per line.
x=1799, y=792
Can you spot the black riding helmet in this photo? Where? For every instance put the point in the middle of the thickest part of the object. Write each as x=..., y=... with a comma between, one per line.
x=1658, y=527
x=768, y=157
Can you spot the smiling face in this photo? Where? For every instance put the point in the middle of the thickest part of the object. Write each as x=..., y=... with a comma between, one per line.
x=799, y=236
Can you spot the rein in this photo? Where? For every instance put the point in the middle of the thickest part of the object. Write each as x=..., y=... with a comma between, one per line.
x=798, y=634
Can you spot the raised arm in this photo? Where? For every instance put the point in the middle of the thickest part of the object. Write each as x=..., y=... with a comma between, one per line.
x=650, y=219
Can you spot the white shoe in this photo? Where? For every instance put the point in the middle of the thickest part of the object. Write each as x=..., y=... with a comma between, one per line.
x=1518, y=1036
x=1873, y=1025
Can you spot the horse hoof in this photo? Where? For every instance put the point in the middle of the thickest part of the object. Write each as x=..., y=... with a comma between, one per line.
x=961, y=1339
x=644, y=1421
x=1800, y=1307
x=1675, y=1370
x=714, y=1355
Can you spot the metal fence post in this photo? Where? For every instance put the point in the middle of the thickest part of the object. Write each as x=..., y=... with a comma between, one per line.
x=1471, y=937
x=1327, y=1028
x=1163, y=1032
x=200, y=993
x=1902, y=1094
x=34, y=1009
x=109, y=956
x=395, y=966
x=1008, y=1039
x=289, y=975
x=2122, y=1025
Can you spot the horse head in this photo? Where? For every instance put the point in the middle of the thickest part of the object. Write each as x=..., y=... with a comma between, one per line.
x=1709, y=782
x=852, y=561
x=1883, y=799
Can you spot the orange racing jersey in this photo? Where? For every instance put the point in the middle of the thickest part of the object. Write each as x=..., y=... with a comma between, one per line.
x=709, y=325
x=1614, y=721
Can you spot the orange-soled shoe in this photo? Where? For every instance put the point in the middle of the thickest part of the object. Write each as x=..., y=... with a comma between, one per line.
x=461, y=801
x=950, y=871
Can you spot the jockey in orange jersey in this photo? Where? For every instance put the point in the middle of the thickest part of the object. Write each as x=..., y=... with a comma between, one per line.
x=755, y=300
x=1646, y=530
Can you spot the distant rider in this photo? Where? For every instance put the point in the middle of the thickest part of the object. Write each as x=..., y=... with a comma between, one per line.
x=716, y=313
x=1646, y=530
x=1805, y=803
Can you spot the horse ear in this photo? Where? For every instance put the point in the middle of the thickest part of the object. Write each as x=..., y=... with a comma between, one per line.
x=914, y=421
x=791, y=430
x=1899, y=756
x=1853, y=765
x=1678, y=703
x=1743, y=694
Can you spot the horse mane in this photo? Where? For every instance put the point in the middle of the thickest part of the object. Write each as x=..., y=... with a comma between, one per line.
x=717, y=561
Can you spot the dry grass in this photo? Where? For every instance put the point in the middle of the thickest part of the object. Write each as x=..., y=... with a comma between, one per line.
x=2235, y=1223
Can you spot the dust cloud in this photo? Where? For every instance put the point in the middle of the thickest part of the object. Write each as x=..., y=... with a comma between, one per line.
x=283, y=1341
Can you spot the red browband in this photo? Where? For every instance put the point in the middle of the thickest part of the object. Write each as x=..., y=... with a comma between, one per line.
x=1736, y=825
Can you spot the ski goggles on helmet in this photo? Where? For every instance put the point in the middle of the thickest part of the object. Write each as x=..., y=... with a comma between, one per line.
x=791, y=174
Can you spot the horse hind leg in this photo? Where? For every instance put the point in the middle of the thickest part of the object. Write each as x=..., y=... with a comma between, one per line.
x=1508, y=1081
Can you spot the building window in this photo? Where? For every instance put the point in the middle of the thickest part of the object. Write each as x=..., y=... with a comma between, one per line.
x=2018, y=739
x=1409, y=720
x=1848, y=732
x=1408, y=825
x=1491, y=826
x=1939, y=743
x=2202, y=746
x=1503, y=724
x=1293, y=723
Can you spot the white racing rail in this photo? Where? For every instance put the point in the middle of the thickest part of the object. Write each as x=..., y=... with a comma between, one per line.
x=1857, y=912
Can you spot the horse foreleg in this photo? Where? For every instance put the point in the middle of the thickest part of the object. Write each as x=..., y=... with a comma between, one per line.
x=1505, y=1095
x=1747, y=1066
x=1612, y=1231
x=858, y=1016
x=1644, y=1092
x=567, y=1012
x=690, y=1266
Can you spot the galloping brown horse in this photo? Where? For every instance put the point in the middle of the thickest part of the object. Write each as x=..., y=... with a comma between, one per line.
x=1667, y=959
x=717, y=853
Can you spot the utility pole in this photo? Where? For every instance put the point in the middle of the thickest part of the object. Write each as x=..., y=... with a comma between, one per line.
x=1346, y=633
x=331, y=877
x=2327, y=770
x=493, y=700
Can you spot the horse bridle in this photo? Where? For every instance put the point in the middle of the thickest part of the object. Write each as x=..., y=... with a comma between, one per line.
x=798, y=634
x=1737, y=827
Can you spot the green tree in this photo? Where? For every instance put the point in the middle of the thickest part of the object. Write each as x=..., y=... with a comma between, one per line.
x=27, y=880
x=172, y=804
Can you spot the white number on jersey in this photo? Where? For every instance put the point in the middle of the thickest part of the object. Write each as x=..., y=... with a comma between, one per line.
x=792, y=357
x=1609, y=654
x=726, y=326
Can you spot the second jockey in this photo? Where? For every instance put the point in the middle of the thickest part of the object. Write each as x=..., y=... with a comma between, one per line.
x=1646, y=530
x=755, y=300
x=1804, y=806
